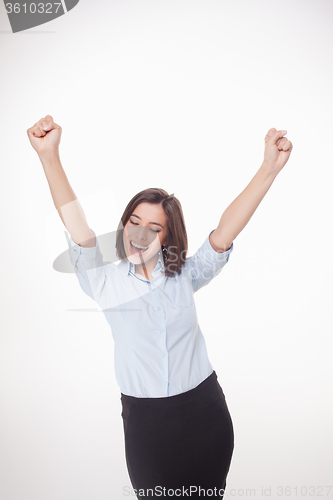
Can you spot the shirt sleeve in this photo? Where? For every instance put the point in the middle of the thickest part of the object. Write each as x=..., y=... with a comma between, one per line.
x=206, y=263
x=89, y=268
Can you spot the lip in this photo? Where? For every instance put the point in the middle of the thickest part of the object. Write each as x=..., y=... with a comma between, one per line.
x=137, y=253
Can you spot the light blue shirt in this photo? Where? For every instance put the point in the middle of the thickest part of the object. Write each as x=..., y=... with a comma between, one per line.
x=159, y=350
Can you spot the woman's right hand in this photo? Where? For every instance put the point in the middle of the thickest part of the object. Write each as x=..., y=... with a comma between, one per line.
x=45, y=136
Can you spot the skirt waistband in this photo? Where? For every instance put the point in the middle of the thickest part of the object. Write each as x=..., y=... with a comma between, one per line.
x=208, y=387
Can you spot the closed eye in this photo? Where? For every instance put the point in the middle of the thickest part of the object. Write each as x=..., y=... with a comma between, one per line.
x=136, y=224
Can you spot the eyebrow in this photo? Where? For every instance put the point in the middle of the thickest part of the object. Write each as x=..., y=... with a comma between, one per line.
x=156, y=223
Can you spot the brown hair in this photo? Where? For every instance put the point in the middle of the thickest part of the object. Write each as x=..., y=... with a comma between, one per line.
x=176, y=231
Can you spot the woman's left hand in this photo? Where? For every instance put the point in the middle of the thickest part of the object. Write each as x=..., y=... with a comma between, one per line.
x=277, y=150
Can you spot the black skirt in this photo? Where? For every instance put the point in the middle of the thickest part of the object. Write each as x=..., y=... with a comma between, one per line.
x=183, y=442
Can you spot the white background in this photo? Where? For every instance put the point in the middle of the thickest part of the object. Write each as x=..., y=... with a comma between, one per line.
x=179, y=95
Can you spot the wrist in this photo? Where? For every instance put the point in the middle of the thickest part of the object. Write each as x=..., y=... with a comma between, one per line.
x=49, y=157
x=268, y=170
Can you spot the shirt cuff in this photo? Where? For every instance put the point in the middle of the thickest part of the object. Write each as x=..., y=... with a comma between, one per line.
x=213, y=254
x=90, y=253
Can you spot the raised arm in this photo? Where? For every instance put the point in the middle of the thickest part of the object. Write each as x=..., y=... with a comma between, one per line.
x=240, y=211
x=44, y=137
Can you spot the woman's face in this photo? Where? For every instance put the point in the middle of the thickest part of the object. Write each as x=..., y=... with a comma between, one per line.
x=146, y=227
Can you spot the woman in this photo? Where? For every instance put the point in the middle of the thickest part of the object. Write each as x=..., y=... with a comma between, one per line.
x=178, y=430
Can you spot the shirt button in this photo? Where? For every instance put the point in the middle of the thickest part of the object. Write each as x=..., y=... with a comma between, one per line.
x=158, y=308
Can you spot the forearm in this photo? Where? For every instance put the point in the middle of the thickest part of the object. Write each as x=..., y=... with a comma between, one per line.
x=65, y=200
x=240, y=211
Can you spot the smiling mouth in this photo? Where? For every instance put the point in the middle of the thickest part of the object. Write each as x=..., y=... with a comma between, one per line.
x=138, y=249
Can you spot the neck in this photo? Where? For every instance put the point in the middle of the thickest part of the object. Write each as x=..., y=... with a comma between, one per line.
x=147, y=268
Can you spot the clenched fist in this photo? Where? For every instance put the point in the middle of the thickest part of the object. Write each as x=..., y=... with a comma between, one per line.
x=45, y=136
x=277, y=149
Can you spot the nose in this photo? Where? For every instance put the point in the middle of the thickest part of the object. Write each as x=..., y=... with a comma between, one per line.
x=138, y=233
x=142, y=233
